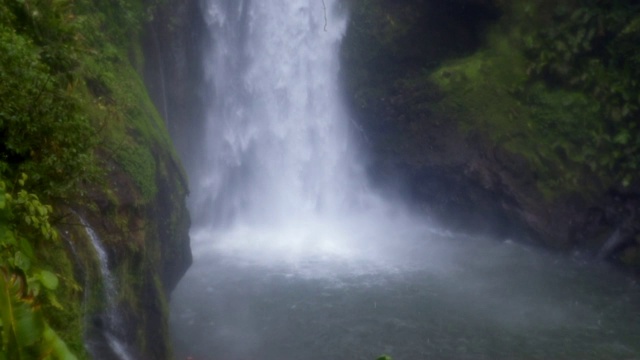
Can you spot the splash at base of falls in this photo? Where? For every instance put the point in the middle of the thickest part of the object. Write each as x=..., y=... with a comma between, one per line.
x=345, y=237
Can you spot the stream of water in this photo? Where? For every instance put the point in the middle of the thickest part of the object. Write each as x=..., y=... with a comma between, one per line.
x=108, y=332
x=295, y=257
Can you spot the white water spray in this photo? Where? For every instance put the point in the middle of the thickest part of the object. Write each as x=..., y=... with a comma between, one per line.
x=282, y=176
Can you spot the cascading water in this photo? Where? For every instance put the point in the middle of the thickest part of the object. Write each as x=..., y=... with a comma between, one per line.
x=296, y=258
x=277, y=140
x=111, y=321
x=281, y=170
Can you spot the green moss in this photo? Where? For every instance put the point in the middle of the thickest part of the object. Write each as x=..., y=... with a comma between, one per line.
x=536, y=89
x=489, y=92
x=554, y=83
x=482, y=85
x=139, y=163
x=71, y=74
x=120, y=106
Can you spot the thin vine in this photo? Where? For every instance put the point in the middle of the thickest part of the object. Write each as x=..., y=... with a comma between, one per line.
x=324, y=6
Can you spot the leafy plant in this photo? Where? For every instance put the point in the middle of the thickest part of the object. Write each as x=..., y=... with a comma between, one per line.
x=556, y=83
x=43, y=132
x=24, y=222
x=25, y=333
x=73, y=113
x=591, y=48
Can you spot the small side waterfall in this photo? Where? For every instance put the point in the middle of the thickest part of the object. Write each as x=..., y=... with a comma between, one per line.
x=110, y=323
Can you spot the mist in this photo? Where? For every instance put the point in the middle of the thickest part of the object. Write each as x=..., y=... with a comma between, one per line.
x=296, y=256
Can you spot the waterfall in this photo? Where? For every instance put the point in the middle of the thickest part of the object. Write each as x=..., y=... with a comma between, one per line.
x=297, y=257
x=111, y=327
x=280, y=170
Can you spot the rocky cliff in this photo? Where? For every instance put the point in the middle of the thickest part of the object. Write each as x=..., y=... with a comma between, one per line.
x=87, y=153
x=511, y=119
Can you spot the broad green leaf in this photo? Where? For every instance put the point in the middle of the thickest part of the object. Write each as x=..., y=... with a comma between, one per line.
x=48, y=279
x=6, y=236
x=23, y=325
x=29, y=323
x=21, y=261
x=25, y=333
x=54, y=345
x=6, y=310
x=25, y=246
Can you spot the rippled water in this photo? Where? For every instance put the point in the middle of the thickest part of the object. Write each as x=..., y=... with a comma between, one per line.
x=440, y=297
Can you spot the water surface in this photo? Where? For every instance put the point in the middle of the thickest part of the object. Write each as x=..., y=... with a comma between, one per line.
x=445, y=297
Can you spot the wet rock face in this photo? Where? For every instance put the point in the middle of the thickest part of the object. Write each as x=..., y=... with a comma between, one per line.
x=146, y=236
x=387, y=44
x=172, y=220
x=174, y=43
x=611, y=230
x=451, y=168
x=147, y=244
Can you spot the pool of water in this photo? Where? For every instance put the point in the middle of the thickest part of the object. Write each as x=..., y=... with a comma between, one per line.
x=434, y=296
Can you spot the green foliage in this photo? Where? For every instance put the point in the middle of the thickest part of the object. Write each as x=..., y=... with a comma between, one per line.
x=138, y=161
x=59, y=62
x=25, y=333
x=131, y=129
x=74, y=115
x=24, y=225
x=556, y=82
x=484, y=82
x=592, y=48
x=118, y=19
x=43, y=132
